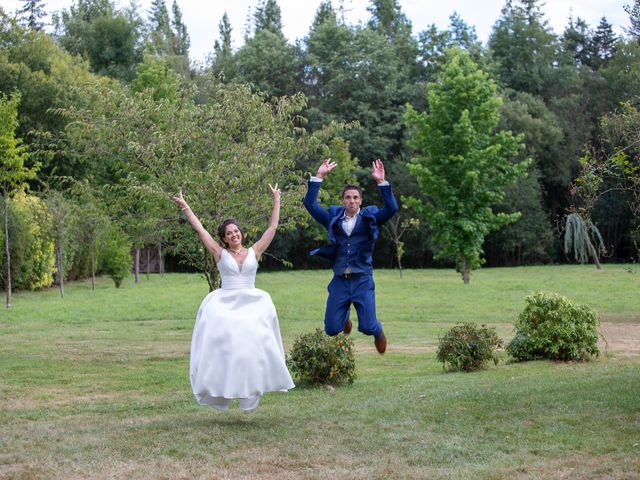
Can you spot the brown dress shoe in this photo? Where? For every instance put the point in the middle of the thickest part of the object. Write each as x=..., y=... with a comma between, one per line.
x=380, y=342
x=347, y=327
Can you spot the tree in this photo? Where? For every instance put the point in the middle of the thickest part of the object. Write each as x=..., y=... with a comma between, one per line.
x=579, y=238
x=634, y=19
x=60, y=211
x=577, y=41
x=32, y=13
x=223, y=63
x=109, y=38
x=161, y=39
x=13, y=172
x=181, y=38
x=221, y=153
x=604, y=44
x=462, y=163
x=267, y=60
x=433, y=43
x=268, y=16
x=531, y=238
x=612, y=169
x=524, y=47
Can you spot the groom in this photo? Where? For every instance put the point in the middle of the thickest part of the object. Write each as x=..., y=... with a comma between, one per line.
x=352, y=232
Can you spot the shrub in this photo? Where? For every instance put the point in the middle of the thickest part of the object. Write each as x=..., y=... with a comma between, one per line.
x=553, y=327
x=468, y=347
x=116, y=256
x=318, y=359
x=31, y=250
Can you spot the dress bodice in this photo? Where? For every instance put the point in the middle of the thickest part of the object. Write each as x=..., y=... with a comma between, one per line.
x=235, y=277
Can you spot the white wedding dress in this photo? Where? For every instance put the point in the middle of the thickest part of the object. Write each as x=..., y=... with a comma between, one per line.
x=236, y=348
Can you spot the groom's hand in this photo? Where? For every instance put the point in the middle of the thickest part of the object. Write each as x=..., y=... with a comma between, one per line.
x=325, y=168
x=377, y=171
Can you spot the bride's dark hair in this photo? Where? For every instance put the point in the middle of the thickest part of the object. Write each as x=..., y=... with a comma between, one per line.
x=222, y=228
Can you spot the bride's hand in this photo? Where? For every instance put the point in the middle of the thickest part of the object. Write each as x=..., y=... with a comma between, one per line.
x=181, y=201
x=276, y=192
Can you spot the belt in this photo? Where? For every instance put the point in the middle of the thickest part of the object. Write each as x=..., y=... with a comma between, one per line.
x=353, y=275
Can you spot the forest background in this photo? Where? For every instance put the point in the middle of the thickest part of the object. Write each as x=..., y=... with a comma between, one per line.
x=112, y=118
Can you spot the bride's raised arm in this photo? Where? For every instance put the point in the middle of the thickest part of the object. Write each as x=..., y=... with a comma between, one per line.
x=267, y=237
x=210, y=244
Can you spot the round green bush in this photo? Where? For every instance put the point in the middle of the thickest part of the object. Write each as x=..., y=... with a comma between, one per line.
x=556, y=328
x=468, y=347
x=318, y=359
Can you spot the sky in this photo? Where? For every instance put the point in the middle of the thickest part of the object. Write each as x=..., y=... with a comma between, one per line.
x=203, y=16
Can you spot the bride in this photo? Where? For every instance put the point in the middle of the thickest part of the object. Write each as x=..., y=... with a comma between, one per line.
x=236, y=348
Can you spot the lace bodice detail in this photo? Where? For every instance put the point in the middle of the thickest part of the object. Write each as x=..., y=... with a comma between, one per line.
x=235, y=277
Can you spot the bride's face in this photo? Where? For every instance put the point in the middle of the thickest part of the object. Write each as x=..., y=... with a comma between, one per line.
x=233, y=236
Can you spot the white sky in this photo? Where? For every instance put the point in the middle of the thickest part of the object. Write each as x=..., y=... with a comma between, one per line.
x=203, y=16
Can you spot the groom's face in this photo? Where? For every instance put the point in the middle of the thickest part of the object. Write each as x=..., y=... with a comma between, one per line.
x=351, y=202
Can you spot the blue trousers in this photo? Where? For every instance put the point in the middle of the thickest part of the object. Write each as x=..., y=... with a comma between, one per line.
x=343, y=292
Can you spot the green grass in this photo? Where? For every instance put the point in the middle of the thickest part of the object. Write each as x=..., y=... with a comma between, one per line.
x=96, y=386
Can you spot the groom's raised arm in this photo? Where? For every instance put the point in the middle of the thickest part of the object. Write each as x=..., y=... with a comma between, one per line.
x=311, y=198
x=389, y=200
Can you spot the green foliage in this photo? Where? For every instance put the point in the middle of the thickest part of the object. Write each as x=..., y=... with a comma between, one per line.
x=155, y=74
x=468, y=347
x=31, y=247
x=523, y=45
x=222, y=154
x=318, y=359
x=223, y=63
x=556, y=328
x=109, y=38
x=462, y=163
x=13, y=172
x=269, y=63
x=116, y=256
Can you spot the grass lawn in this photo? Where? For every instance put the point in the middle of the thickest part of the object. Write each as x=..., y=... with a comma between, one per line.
x=97, y=386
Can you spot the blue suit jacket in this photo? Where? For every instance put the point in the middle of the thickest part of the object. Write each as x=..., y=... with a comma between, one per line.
x=355, y=251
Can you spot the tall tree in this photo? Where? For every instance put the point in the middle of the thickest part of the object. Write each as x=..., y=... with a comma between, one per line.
x=387, y=17
x=32, y=13
x=60, y=211
x=267, y=60
x=181, y=38
x=223, y=62
x=13, y=172
x=462, y=163
x=359, y=74
x=433, y=44
x=634, y=19
x=162, y=37
x=523, y=45
x=577, y=41
x=604, y=44
x=268, y=16
x=101, y=33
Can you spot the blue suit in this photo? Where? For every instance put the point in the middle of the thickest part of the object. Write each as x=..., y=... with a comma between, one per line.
x=351, y=253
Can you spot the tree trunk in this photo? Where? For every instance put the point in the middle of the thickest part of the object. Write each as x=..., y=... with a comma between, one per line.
x=399, y=257
x=594, y=254
x=93, y=271
x=59, y=267
x=465, y=270
x=7, y=254
x=148, y=261
x=136, y=265
x=211, y=274
x=160, y=260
